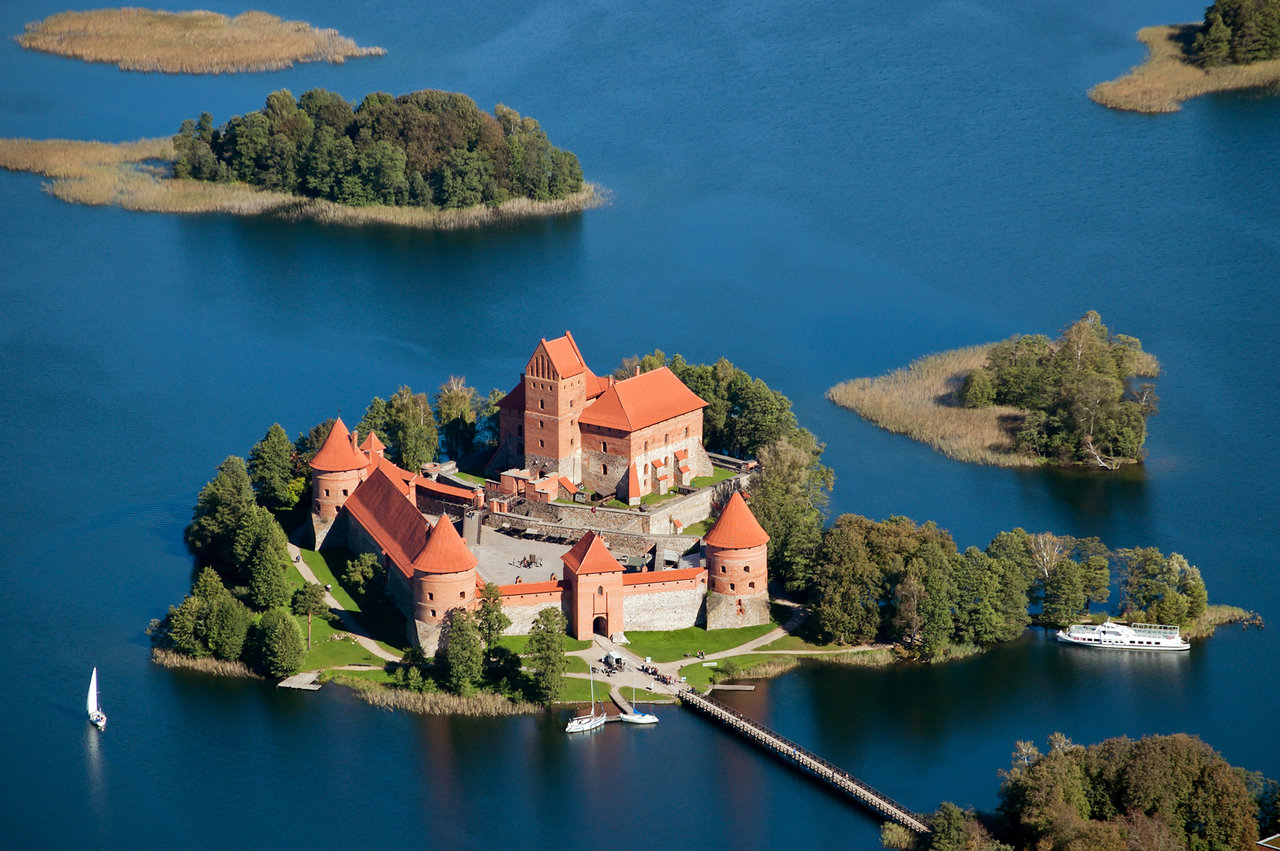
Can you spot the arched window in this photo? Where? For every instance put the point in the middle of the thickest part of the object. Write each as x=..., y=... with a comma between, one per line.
x=462, y=595
x=600, y=591
x=746, y=568
x=604, y=446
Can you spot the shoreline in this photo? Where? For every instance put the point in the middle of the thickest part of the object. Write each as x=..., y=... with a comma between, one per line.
x=1165, y=78
x=194, y=42
x=134, y=176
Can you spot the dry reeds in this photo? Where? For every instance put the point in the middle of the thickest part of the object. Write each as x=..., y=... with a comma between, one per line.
x=482, y=704
x=1215, y=616
x=188, y=42
x=135, y=176
x=1167, y=76
x=922, y=402
x=205, y=664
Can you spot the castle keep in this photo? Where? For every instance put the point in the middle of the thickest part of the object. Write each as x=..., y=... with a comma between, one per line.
x=562, y=423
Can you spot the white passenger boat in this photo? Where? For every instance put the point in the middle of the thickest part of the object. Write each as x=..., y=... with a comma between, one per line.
x=1117, y=636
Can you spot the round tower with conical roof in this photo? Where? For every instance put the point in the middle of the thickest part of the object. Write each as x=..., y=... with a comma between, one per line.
x=336, y=471
x=737, y=568
x=444, y=579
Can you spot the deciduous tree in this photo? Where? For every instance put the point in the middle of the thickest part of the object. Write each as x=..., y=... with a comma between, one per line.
x=546, y=654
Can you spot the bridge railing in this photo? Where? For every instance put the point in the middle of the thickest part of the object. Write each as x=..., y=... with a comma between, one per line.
x=874, y=797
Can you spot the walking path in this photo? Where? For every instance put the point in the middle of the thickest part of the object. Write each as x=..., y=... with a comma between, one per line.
x=348, y=622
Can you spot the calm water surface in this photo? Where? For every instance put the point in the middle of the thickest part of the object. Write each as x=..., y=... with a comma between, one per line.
x=806, y=191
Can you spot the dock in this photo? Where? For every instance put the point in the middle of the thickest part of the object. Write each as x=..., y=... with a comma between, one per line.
x=806, y=760
x=306, y=681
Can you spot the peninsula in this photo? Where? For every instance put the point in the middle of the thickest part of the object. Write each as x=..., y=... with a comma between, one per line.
x=1236, y=47
x=188, y=42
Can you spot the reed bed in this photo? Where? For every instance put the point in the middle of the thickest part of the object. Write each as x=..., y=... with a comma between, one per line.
x=1215, y=616
x=188, y=42
x=921, y=401
x=874, y=657
x=136, y=176
x=480, y=705
x=166, y=658
x=1167, y=77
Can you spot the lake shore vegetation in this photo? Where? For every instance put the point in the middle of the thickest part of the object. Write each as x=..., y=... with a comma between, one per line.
x=1236, y=47
x=138, y=176
x=195, y=42
x=1023, y=401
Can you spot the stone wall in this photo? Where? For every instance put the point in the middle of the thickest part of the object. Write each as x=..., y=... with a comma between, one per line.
x=662, y=610
x=524, y=613
x=723, y=611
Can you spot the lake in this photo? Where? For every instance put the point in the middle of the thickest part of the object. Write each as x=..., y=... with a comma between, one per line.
x=812, y=191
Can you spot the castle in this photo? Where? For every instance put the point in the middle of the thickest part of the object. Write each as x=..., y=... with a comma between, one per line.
x=632, y=437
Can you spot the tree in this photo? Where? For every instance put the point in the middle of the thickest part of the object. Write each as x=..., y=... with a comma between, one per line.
x=487, y=418
x=375, y=420
x=309, y=600
x=309, y=443
x=455, y=411
x=229, y=625
x=364, y=574
x=490, y=619
x=411, y=429
x=220, y=509
x=1064, y=597
x=463, y=652
x=847, y=586
x=270, y=469
x=789, y=496
x=187, y=626
x=262, y=556
x=546, y=654
x=1213, y=43
x=279, y=640
x=1164, y=590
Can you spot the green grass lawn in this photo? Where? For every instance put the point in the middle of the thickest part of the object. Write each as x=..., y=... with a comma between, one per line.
x=378, y=617
x=380, y=676
x=673, y=645
x=795, y=642
x=579, y=691
x=698, y=529
x=469, y=477
x=519, y=644
x=327, y=653
x=576, y=665
x=700, y=677
x=718, y=475
x=327, y=566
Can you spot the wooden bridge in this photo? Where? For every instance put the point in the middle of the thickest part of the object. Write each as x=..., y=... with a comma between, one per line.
x=805, y=759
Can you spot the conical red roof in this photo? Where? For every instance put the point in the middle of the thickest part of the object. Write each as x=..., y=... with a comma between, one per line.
x=372, y=444
x=445, y=551
x=590, y=555
x=338, y=455
x=737, y=528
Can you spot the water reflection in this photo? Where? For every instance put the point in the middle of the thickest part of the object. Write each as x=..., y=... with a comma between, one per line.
x=1099, y=503
x=94, y=770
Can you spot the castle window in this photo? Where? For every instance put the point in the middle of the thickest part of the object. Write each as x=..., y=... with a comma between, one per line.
x=462, y=595
x=326, y=491
x=646, y=446
x=433, y=613
x=600, y=591
x=604, y=469
x=540, y=443
x=724, y=569
x=751, y=585
x=666, y=438
x=430, y=596
x=570, y=403
x=731, y=586
x=604, y=446
x=746, y=568
x=571, y=441
x=344, y=491
x=686, y=431
x=542, y=403
x=540, y=424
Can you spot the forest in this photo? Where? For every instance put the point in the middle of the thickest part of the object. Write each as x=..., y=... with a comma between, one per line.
x=1238, y=32
x=1082, y=407
x=429, y=149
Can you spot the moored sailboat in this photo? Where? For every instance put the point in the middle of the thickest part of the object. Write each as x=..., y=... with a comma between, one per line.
x=583, y=723
x=634, y=717
x=97, y=717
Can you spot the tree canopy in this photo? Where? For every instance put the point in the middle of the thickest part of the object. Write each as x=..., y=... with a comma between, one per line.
x=1238, y=32
x=546, y=654
x=425, y=149
x=271, y=470
x=1082, y=406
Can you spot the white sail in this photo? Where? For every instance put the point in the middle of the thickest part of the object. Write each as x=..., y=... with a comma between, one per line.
x=91, y=705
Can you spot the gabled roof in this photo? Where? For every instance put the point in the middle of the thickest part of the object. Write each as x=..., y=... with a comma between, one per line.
x=565, y=357
x=383, y=509
x=401, y=478
x=445, y=551
x=337, y=455
x=641, y=401
x=515, y=399
x=372, y=443
x=596, y=384
x=737, y=528
x=590, y=555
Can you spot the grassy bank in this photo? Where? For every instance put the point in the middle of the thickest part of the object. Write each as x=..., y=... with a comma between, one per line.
x=135, y=176
x=1215, y=616
x=921, y=401
x=1167, y=77
x=188, y=42
x=204, y=664
x=678, y=643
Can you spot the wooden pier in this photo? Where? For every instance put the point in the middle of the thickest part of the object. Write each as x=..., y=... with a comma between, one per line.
x=805, y=759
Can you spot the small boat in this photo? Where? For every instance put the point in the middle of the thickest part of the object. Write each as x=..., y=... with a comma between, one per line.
x=1117, y=636
x=583, y=723
x=634, y=717
x=97, y=717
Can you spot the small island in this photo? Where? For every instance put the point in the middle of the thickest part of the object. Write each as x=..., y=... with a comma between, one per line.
x=431, y=160
x=1026, y=401
x=1236, y=47
x=188, y=42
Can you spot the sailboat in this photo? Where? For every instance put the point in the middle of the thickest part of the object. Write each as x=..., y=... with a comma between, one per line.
x=97, y=717
x=583, y=723
x=634, y=717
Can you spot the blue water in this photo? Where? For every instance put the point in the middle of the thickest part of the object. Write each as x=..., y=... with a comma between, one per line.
x=796, y=186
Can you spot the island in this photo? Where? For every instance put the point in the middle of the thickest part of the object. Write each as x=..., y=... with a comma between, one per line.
x=1236, y=47
x=429, y=160
x=1023, y=402
x=188, y=42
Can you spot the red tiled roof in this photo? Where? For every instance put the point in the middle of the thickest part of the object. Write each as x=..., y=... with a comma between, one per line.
x=399, y=477
x=596, y=384
x=391, y=520
x=564, y=355
x=590, y=555
x=530, y=588
x=515, y=399
x=440, y=489
x=658, y=576
x=682, y=454
x=337, y=455
x=633, y=482
x=644, y=400
x=737, y=528
x=372, y=443
x=445, y=551
x=568, y=485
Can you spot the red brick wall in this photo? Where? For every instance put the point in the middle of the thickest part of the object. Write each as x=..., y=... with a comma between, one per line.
x=735, y=571
x=327, y=494
x=436, y=594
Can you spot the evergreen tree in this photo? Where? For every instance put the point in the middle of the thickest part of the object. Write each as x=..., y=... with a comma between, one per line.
x=490, y=619
x=270, y=469
x=375, y=421
x=262, y=557
x=847, y=586
x=1064, y=597
x=220, y=509
x=789, y=496
x=463, y=653
x=279, y=642
x=229, y=624
x=546, y=654
x=364, y=575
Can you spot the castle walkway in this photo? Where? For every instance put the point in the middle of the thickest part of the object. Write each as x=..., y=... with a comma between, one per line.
x=805, y=760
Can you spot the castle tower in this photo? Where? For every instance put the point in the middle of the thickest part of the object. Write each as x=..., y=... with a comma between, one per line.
x=336, y=470
x=594, y=580
x=555, y=393
x=444, y=579
x=737, y=568
x=373, y=446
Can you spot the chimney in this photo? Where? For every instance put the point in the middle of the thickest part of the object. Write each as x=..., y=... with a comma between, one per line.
x=637, y=373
